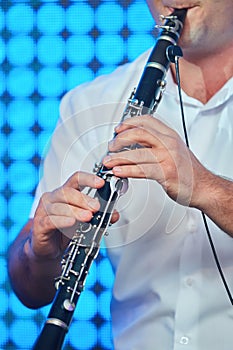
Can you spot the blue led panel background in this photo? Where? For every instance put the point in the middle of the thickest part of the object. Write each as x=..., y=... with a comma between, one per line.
x=47, y=48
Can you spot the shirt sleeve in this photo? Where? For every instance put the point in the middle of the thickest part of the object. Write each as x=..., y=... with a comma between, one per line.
x=79, y=141
x=88, y=114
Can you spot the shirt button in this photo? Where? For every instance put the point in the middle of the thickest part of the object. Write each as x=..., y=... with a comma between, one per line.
x=184, y=340
x=192, y=228
x=189, y=281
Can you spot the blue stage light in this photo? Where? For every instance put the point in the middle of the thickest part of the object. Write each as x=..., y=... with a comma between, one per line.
x=3, y=246
x=21, y=82
x=77, y=338
x=105, y=274
x=76, y=76
x=21, y=326
x=4, y=333
x=105, y=336
x=2, y=50
x=79, y=49
x=20, y=18
x=3, y=176
x=109, y=23
x=21, y=145
x=104, y=305
x=50, y=50
x=19, y=207
x=50, y=19
x=3, y=145
x=51, y=82
x=80, y=18
x=20, y=50
x=20, y=310
x=42, y=143
x=138, y=44
x=2, y=19
x=138, y=11
x=3, y=279
x=21, y=113
x=2, y=113
x=3, y=206
x=2, y=84
x=47, y=113
x=87, y=306
x=22, y=176
x=110, y=49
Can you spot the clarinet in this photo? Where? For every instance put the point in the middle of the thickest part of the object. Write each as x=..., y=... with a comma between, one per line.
x=85, y=243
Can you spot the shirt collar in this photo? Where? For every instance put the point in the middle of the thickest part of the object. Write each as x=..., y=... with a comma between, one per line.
x=223, y=95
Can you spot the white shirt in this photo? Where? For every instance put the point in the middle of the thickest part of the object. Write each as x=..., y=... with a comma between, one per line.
x=167, y=292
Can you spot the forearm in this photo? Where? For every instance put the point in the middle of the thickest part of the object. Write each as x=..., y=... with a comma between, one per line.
x=36, y=254
x=32, y=279
x=216, y=201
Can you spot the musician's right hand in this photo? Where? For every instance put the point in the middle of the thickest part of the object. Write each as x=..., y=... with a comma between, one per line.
x=58, y=211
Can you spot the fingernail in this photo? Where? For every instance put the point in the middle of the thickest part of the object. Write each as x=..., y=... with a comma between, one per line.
x=117, y=127
x=84, y=214
x=98, y=180
x=117, y=169
x=107, y=159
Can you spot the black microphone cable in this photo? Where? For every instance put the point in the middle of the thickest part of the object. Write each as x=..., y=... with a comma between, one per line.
x=174, y=52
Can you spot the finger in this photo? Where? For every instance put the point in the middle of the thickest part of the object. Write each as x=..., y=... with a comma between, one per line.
x=115, y=216
x=136, y=156
x=140, y=136
x=144, y=121
x=64, y=210
x=72, y=197
x=148, y=171
x=129, y=123
x=50, y=223
x=81, y=179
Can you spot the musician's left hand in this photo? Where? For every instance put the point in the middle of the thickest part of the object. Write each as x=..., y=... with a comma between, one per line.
x=163, y=157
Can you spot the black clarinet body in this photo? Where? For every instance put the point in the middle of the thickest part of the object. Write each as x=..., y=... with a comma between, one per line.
x=152, y=83
x=85, y=244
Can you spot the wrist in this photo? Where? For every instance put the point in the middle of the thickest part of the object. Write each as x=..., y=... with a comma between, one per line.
x=214, y=193
x=28, y=251
x=39, y=259
x=205, y=191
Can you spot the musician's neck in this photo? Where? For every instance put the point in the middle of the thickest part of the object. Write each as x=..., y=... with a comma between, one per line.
x=202, y=78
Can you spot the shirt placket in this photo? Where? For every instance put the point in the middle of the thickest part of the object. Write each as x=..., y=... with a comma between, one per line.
x=188, y=307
